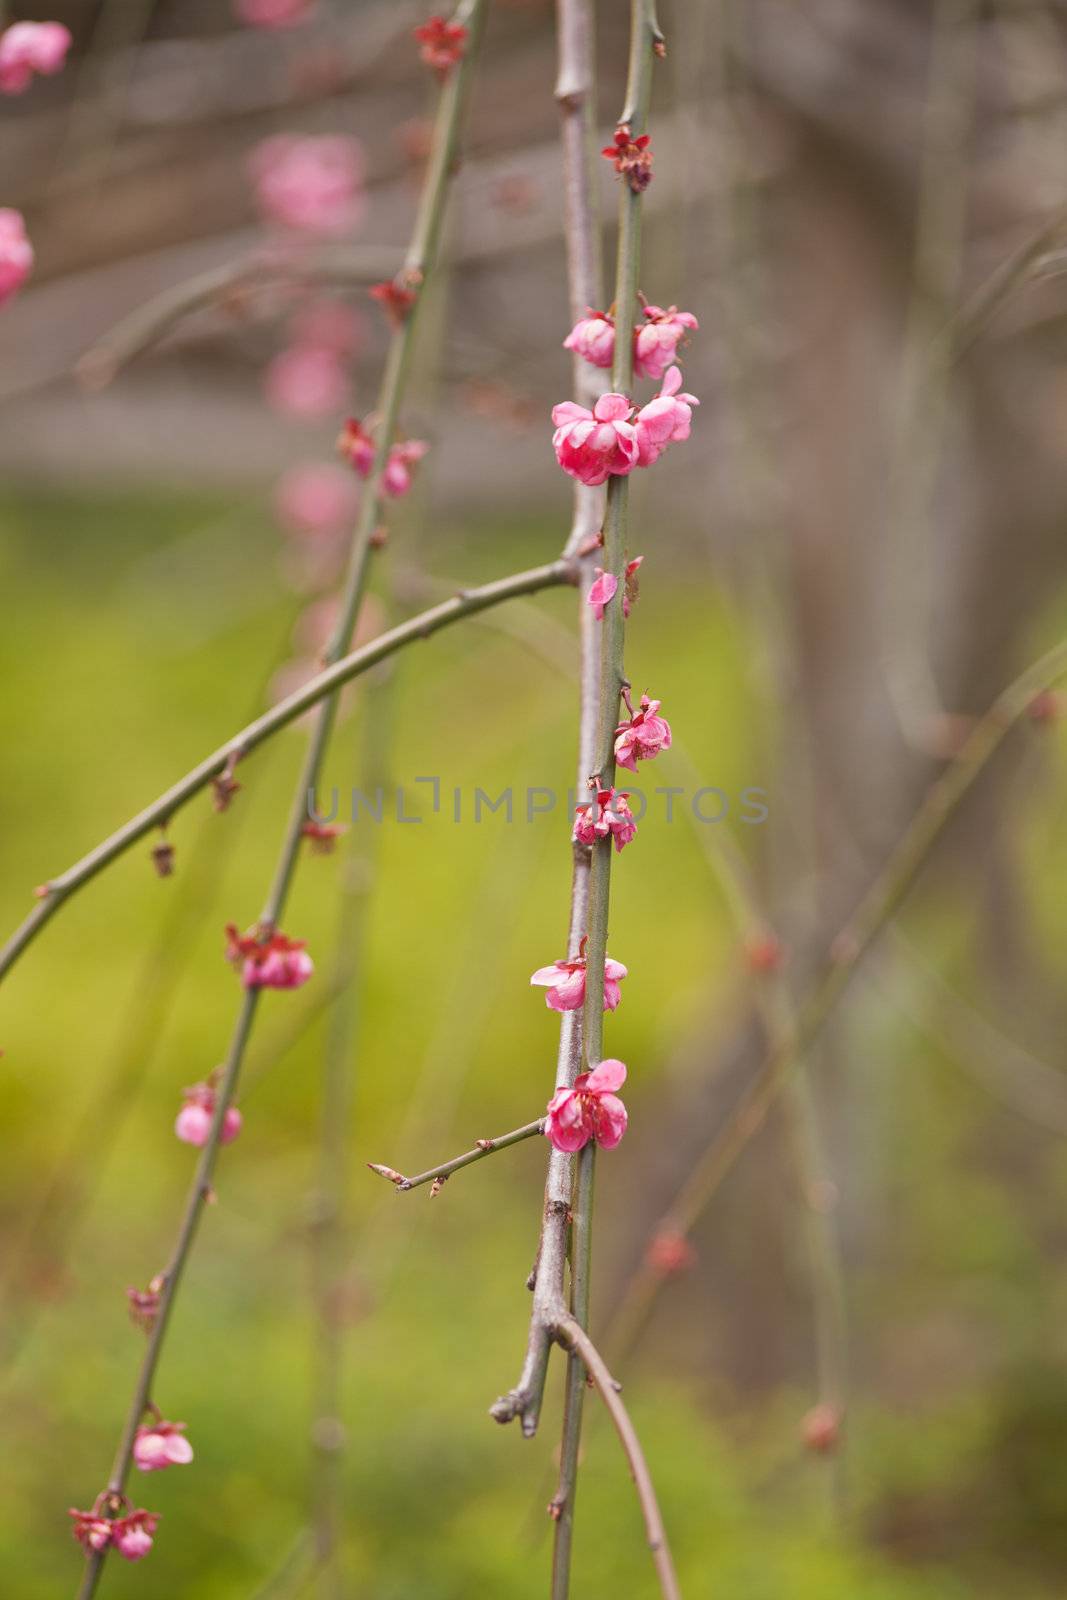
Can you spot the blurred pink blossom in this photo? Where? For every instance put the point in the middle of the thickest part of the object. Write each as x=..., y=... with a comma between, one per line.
x=193, y=1123
x=315, y=501
x=274, y=962
x=274, y=13
x=161, y=1444
x=306, y=381
x=310, y=184
x=132, y=1535
x=29, y=47
x=16, y=253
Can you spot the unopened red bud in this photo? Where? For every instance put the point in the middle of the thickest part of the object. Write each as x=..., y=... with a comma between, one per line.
x=821, y=1428
x=163, y=859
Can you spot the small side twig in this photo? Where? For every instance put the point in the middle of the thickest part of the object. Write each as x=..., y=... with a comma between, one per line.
x=573, y=1336
x=439, y=1175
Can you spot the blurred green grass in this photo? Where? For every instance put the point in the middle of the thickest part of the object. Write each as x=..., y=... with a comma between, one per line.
x=136, y=639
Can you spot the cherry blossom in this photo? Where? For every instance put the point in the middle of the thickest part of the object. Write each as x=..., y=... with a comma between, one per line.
x=132, y=1535
x=358, y=448
x=31, y=47
x=656, y=344
x=323, y=836
x=565, y=982
x=608, y=816
x=632, y=158
x=309, y=184
x=591, y=1110
x=161, y=1444
x=271, y=962
x=605, y=584
x=593, y=338
x=595, y=445
x=395, y=298
x=643, y=736
x=16, y=253
x=664, y=420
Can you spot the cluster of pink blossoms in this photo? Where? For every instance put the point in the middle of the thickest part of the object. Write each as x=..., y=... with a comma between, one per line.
x=131, y=1534
x=268, y=962
x=608, y=816
x=31, y=48
x=615, y=437
x=357, y=446
x=655, y=342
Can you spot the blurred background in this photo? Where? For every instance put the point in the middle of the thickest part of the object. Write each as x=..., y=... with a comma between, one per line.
x=865, y=204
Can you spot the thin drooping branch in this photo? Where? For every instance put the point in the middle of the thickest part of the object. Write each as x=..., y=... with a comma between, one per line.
x=574, y=1336
x=467, y=603
x=644, y=38
x=576, y=96
x=873, y=914
x=228, y=285
x=419, y=259
x=438, y=1175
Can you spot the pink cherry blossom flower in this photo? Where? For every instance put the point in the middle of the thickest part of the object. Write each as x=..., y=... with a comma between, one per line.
x=631, y=158
x=311, y=185
x=565, y=982
x=593, y=338
x=656, y=344
x=595, y=445
x=271, y=962
x=132, y=1535
x=664, y=420
x=193, y=1123
x=16, y=253
x=441, y=44
x=603, y=588
x=644, y=736
x=608, y=815
x=274, y=13
x=397, y=477
x=161, y=1444
x=92, y=1531
x=29, y=47
x=306, y=381
x=591, y=1110
x=316, y=501
x=357, y=446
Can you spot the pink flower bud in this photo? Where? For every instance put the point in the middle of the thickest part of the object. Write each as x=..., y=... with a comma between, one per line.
x=656, y=344
x=591, y=1110
x=92, y=1532
x=670, y=1253
x=643, y=737
x=565, y=982
x=16, y=254
x=273, y=13
x=161, y=1444
x=193, y=1123
x=593, y=338
x=821, y=1428
x=29, y=47
x=397, y=477
x=664, y=420
x=595, y=445
x=311, y=185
